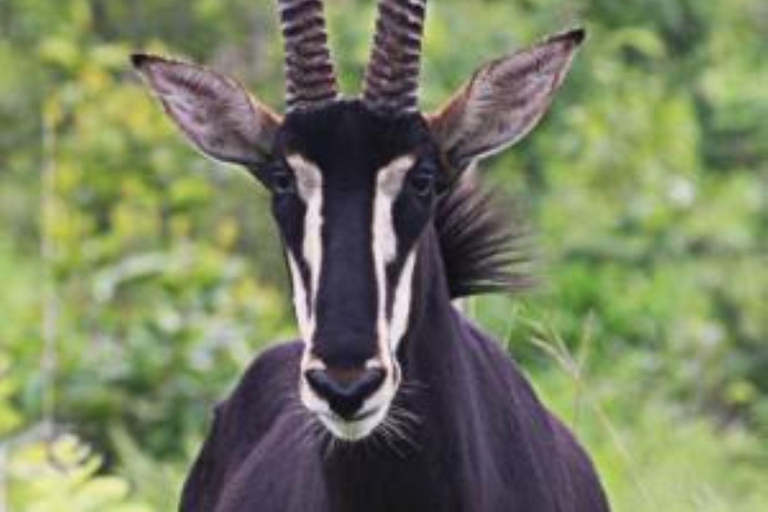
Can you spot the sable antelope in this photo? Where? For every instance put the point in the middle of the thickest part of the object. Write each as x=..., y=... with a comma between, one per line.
x=392, y=400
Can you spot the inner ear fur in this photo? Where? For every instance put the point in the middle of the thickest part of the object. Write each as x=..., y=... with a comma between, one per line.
x=215, y=113
x=503, y=101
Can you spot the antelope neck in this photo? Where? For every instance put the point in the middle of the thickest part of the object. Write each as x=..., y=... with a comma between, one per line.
x=434, y=367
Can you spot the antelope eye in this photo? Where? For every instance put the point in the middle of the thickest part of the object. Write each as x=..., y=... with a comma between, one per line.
x=422, y=184
x=283, y=183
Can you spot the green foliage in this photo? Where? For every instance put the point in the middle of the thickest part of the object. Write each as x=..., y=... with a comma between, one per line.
x=140, y=279
x=45, y=477
x=652, y=454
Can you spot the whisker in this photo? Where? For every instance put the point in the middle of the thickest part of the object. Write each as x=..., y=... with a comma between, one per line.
x=405, y=424
x=331, y=446
x=405, y=414
x=391, y=439
x=412, y=383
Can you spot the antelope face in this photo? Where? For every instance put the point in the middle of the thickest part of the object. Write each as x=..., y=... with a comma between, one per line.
x=354, y=183
x=352, y=192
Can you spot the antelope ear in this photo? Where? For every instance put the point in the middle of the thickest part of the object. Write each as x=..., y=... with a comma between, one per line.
x=503, y=101
x=215, y=113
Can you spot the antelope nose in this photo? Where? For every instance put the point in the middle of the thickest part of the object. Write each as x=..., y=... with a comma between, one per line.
x=345, y=389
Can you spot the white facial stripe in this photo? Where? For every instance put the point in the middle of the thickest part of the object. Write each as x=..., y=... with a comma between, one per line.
x=299, y=298
x=309, y=185
x=389, y=182
x=401, y=307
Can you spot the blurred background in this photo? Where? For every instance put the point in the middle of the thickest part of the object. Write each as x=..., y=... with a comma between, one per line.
x=138, y=279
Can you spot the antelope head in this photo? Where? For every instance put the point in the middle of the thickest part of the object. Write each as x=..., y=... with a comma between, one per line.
x=354, y=182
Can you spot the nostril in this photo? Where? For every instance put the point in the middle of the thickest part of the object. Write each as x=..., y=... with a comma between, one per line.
x=345, y=389
x=320, y=382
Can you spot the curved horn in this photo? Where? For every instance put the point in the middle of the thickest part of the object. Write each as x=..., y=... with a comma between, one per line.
x=310, y=79
x=392, y=78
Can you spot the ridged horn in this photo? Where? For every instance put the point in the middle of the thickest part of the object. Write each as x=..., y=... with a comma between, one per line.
x=392, y=77
x=310, y=79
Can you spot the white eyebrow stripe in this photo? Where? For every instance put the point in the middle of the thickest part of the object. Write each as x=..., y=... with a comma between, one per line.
x=309, y=185
x=390, y=178
x=309, y=179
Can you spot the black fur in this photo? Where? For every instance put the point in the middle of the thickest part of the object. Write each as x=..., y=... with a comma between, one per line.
x=484, y=250
x=478, y=439
x=349, y=143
